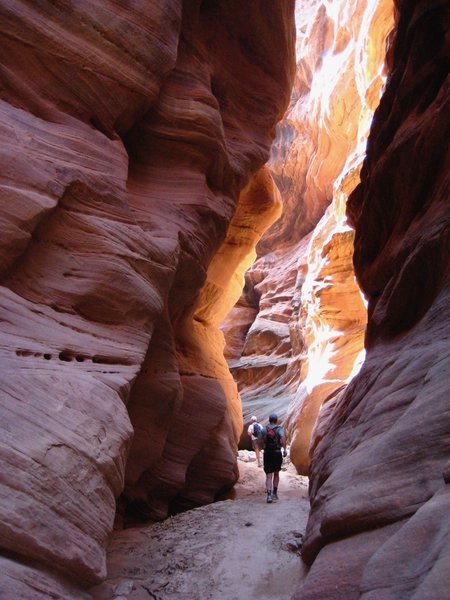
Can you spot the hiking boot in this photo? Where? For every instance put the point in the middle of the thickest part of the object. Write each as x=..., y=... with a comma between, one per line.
x=269, y=497
x=275, y=497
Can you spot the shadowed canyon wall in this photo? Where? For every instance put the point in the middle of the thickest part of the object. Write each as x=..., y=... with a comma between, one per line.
x=128, y=132
x=379, y=486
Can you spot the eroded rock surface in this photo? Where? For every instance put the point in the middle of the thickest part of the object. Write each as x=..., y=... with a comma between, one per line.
x=127, y=135
x=379, y=478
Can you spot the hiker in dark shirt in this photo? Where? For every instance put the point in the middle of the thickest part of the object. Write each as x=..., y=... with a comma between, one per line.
x=273, y=441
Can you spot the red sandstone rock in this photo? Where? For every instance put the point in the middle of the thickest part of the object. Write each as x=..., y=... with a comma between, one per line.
x=127, y=134
x=127, y=137
x=379, y=478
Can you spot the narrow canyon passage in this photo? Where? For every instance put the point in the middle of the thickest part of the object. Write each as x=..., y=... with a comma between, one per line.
x=213, y=209
x=235, y=549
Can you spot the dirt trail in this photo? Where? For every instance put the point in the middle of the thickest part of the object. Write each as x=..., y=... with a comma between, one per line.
x=236, y=549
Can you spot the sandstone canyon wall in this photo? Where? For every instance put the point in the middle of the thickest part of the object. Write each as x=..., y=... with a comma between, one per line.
x=379, y=524
x=297, y=332
x=128, y=131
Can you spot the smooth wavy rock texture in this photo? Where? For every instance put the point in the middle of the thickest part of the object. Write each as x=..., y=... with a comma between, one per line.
x=128, y=131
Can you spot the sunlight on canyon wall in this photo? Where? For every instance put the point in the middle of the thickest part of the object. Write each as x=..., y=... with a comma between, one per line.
x=297, y=331
x=379, y=525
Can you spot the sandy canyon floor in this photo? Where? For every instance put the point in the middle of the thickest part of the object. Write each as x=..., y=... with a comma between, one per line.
x=236, y=549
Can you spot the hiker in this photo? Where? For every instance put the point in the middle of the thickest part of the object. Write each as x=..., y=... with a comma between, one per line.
x=273, y=440
x=254, y=431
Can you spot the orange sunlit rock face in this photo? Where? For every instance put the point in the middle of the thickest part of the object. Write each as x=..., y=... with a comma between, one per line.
x=199, y=401
x=379, y=486
x=296, y=335
x=333, y=326
x=127, y=136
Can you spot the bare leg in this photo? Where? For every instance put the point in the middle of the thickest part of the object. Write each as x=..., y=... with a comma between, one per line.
x=276, y=480
x=258, y=457
x=269, y=479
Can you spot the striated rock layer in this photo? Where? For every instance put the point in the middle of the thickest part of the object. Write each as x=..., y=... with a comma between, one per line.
x=127, y=136
x=379, y=524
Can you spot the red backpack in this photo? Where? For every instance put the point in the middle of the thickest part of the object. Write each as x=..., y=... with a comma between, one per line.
x=273, y=439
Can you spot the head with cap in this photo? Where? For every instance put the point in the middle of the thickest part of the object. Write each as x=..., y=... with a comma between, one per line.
x=254, y=419
x=273, y=418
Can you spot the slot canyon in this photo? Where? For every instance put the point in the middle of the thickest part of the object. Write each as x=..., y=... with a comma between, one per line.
x=213, y=209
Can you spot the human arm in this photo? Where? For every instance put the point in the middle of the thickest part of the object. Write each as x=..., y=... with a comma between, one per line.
x=262, y=437
x=283, y=442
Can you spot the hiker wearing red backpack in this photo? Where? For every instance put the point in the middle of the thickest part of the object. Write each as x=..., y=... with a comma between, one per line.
x=273, y=441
